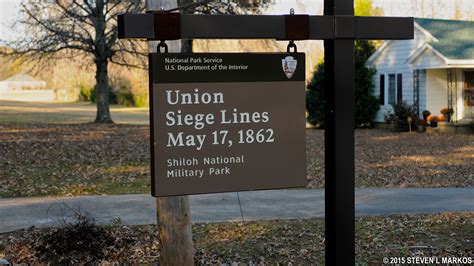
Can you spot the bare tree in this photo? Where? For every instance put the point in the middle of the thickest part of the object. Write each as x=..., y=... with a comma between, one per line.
x=77, y=28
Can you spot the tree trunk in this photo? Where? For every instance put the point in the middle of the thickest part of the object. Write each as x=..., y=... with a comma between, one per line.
x=174, y=229
x=102, y=90
x=173, y=213
x=102, y=55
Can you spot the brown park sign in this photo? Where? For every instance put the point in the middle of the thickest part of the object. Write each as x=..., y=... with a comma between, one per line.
x=227, y=122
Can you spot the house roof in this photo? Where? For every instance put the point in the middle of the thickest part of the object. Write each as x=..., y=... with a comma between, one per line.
x=455, y=37
x=21, y=77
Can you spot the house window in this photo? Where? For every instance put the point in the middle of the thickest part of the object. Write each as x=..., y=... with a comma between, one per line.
x=469, y=79
x=382, y=90
x=399, y=88
x=469, y=92
x=392, y=89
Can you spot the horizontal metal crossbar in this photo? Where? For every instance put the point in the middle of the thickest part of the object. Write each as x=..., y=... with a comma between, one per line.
x=265, y=27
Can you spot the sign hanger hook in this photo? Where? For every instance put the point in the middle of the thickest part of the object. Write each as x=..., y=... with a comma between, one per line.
x=162, y=44
x=292, y=44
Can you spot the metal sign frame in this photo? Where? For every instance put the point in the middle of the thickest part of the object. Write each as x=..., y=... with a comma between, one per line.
x=281, y=27
x=338, y=28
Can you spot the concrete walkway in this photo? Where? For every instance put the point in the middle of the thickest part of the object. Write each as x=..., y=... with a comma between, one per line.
x=16, y=213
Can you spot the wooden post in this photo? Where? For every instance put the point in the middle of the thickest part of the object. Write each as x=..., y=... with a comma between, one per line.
x=174, y=229
x=173, y=213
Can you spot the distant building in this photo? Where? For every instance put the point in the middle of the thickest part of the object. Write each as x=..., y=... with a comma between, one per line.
x=433, y=71
x=22, y=82
x=24, y=87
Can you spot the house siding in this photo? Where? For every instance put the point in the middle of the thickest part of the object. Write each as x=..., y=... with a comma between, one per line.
x=436, y=88
x=428, y=59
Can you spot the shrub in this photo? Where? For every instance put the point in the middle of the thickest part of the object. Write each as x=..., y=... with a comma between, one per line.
x=315, y=98
x=139, y=88
x=124, y=96
x=402, y=111
x=366, y=104
x=127, y=96
x=389, y=117
x=130, y=88
x=85, y=93
x=126, y=88
x=93, y=96
x=141, y=99
x=79, y=241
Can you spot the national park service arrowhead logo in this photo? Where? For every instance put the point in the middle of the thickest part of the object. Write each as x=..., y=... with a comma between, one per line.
x=289, y=66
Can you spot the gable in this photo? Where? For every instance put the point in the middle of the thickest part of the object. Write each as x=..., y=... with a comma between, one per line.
x=401, y=49
x=428, y=58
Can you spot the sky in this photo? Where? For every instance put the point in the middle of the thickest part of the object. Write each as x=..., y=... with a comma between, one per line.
x=444, y=9
x=9, y=10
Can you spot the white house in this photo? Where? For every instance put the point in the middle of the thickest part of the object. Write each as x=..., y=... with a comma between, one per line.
x=22, y=82
x=23, y=87
x=433, y=71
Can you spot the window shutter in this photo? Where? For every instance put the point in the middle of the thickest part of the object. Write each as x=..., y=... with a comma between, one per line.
x=382, y=90
x=399, y=88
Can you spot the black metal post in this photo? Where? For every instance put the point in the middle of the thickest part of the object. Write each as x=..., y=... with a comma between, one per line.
x=339, y=141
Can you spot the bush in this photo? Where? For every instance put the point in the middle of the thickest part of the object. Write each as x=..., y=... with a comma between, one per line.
x=126, y=88
x=129, y=97
x=93, y=96
x=390, y=117
x=85, y=93
x=402, y=111
x=315, y=98
x=139, y=88
x=124, y=96
x=79, y=241
x=141, y=99
x=366, y=104
x=131, y=89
